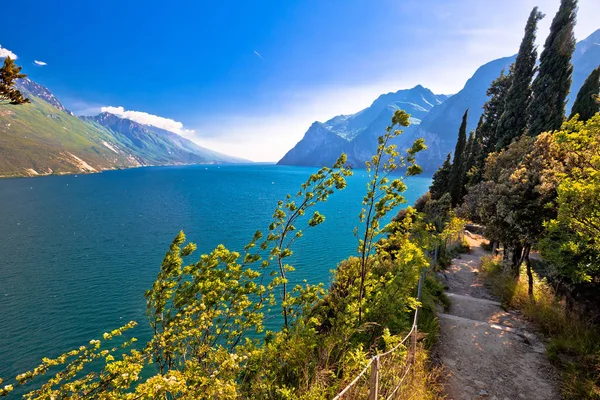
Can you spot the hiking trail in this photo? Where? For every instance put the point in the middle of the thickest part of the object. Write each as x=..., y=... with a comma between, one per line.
x=487, y=352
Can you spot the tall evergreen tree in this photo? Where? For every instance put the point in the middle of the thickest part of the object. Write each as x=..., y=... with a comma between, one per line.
x=475, y=173
x=458, y=163
x=470, y=154
x=553, y=81
x=493, y=110
x=513, y=122
x=9, y=73
x=586, y=103
x=488, y=122
x=441, y=178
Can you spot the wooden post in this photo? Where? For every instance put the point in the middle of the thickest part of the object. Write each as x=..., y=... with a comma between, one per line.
x=374, y=384
x=415, y=336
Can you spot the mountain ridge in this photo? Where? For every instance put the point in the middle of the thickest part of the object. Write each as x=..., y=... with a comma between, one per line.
x=44, y=137
x=325, y=141
x=439, y=124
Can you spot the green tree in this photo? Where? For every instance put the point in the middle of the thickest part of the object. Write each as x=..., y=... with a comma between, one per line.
x=553, y=81
x=441, y=178
x=586, y=103
x=579, y=188
x=383, y=195
x=517, y=198
x=488, y=123
x=458, y=163
x=513, y=122
x=9, y=73
x=472, y=152
x=571, y=243
x=474, y=173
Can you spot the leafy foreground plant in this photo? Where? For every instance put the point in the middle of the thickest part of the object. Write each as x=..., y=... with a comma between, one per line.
x=208, y=316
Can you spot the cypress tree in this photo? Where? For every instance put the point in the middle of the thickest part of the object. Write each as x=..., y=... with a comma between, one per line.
x=458, y=163
x=513, y=122
x=586, y=103
x=488, y=122
x=551, y=86
x=476, y=156
x=441, y=177
x=493, y=110
x=470, y=154
x=9, y=73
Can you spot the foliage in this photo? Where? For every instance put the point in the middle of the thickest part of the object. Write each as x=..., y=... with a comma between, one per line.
x=572, y=243
x=578, y=199
x=513, y=122
x=488, y=126
x=207, y=316
x=9, y=73
x=517, y=198
x=471, y=153
x=383, y=195
x=586, y=103
x=441, y=177
x=553, y=81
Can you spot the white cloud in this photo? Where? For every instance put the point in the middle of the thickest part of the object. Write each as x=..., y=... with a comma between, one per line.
x=40, y=63
x=4, y=52
x=149, y=119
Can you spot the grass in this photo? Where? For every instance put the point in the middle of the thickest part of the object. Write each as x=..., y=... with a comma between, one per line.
x=418, y=378
x=574, y=343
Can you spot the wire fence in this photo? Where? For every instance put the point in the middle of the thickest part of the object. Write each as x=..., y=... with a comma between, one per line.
x=388, y=387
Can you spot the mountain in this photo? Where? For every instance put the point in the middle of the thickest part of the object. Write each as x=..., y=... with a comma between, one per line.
x=30, y=88
x=440, y=127
x=44, y=137
x=585, y=59
x=437, y=124
x=38, y=138
x=155, y=146
x=356, y=134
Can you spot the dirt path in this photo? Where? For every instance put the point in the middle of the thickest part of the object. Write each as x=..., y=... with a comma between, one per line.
x=488, y=353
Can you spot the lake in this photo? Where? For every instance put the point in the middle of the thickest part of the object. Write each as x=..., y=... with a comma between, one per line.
x=78, y=252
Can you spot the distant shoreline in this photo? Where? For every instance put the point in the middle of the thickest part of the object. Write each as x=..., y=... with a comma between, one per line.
x=84, y=172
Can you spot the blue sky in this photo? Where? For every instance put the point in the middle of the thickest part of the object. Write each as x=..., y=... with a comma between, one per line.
x=248, y=78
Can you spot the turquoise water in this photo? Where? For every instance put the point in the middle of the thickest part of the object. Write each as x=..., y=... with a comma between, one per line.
x=77, y=253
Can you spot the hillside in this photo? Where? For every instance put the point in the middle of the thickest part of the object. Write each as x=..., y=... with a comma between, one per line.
x=39, y=138
x=44, y=137
x=155, y=146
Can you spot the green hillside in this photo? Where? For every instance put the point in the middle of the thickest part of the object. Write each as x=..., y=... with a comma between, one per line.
x=38, y=138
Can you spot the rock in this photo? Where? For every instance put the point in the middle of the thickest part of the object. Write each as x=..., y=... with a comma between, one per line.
x=449, y=362
x=469, y=389
x=483, y=393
